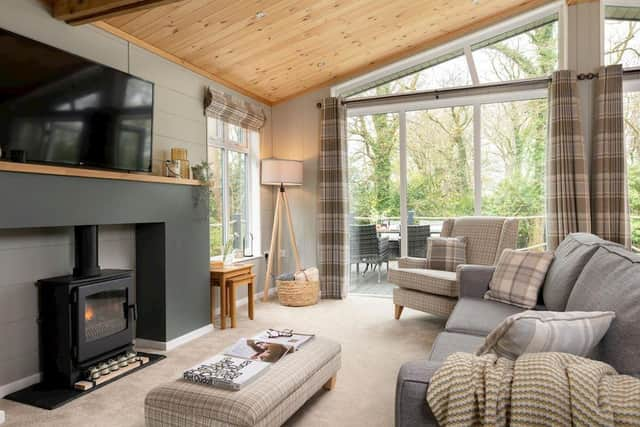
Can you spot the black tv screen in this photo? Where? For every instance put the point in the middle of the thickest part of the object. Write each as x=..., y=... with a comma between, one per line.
x=59, y=108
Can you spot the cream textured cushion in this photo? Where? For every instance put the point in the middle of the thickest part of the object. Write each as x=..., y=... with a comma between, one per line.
x=518, y=277
x=574, y=332
x=446, y=253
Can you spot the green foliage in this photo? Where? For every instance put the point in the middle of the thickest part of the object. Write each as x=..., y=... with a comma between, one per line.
x=440, y=148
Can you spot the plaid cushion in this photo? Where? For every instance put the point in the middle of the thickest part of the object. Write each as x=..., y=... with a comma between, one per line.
x=446, y=253
x=575, y=332
x=518, y=277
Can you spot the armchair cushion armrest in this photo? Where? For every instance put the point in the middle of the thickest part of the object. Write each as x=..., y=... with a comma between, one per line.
x=412, y=409
x=411, y=262
x=474, y=280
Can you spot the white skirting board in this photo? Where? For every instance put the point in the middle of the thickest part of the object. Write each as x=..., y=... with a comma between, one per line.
x=190, y=336
x=2, y=417
x=19, y=385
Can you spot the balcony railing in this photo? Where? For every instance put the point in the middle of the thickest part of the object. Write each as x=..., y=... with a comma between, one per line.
x=531, y=233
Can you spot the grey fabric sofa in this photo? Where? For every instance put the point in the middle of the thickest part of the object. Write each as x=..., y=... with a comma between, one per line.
x=587, y=274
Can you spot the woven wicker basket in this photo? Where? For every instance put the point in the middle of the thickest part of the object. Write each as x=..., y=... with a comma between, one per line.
x=298, y=293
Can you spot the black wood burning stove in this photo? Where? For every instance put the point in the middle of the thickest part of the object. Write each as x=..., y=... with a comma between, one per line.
x=85, y=318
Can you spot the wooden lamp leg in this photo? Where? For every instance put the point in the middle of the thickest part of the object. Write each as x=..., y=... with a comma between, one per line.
x=292, y=234
x=270, y=261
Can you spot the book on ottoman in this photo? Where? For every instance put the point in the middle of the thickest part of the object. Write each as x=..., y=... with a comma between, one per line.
x=226, y=372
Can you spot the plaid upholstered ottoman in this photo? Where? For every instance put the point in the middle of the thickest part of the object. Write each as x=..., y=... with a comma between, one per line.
x=268, y=401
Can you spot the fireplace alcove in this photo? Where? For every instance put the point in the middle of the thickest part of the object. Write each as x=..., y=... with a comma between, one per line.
x=171, y=228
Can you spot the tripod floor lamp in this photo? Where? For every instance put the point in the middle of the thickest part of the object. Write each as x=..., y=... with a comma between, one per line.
x=281, y=173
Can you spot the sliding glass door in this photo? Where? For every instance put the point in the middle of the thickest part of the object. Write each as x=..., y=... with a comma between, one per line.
x=415, y=166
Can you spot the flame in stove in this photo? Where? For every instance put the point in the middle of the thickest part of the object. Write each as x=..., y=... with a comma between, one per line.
x=88, y=313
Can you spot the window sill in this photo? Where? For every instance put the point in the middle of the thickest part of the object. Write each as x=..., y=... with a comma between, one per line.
x=244, y=259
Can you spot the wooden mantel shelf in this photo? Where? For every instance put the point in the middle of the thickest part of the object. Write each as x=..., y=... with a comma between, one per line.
x=91, y=173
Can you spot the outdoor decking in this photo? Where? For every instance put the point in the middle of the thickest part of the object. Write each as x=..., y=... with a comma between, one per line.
x=368, y=284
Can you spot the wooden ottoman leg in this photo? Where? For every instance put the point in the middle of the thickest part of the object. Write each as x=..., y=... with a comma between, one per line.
x=398, y=311
x=330, y=385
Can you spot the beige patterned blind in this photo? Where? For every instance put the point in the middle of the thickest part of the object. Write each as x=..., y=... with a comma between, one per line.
x=235, y=111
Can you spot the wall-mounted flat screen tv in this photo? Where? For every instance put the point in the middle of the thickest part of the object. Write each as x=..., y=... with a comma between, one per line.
x=59, y=108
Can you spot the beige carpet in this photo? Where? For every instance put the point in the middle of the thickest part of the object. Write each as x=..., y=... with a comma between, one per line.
x=374, y=345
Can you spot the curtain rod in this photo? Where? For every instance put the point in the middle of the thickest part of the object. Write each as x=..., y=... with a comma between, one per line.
x=532, y=83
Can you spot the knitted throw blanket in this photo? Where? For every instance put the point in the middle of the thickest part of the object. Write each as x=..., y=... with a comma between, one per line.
x=541, y=389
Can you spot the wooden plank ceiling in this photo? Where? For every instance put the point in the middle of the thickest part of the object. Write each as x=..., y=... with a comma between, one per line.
x=274, y=50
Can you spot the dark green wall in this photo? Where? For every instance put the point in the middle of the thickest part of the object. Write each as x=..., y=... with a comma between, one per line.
x=172, y=239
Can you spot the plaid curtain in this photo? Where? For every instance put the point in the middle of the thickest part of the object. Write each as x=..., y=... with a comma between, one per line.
x=333, y=200
x=567, y=192
x=609, y=198
x=237, y=112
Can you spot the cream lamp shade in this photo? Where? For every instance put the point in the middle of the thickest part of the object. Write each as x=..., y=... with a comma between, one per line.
x=278, y=171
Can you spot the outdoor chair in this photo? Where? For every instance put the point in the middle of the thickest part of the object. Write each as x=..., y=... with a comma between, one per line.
x=368, y=248
x=417, y=236
x=436, y=291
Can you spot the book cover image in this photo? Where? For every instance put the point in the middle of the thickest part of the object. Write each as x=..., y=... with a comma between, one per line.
x=259, y=350
x=226, y=372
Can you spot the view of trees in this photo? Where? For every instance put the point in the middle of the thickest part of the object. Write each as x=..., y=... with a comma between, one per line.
x=440, y=166
x=622, y=46
x=235, y=183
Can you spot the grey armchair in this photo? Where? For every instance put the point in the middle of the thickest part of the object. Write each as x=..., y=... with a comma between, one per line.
x=435, y=291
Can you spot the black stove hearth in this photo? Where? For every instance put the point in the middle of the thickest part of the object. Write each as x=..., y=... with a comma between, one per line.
x=85, y=318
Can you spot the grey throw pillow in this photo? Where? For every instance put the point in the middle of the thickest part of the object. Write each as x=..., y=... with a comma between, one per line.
x=574, y=332
x=446, y=253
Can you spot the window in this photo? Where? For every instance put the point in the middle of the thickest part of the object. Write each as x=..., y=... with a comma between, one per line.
x=439, y=163
x=232, y=159
x=512, y=171
x=474, y=151
x=531, y=51
x=622, y=36
x=527, y=51
x=481, y=159
x=374, y=181
x=632, y=142
x=443, y=72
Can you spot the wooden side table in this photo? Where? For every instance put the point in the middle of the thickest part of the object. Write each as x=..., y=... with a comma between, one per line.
x=222, y=277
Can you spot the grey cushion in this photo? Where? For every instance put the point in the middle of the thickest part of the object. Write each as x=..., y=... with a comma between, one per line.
x=571, y=255
x=473, y=280
x=447, y=343
x=411, y=394
x=479, y=316
x=532, y=331
x=611, y=282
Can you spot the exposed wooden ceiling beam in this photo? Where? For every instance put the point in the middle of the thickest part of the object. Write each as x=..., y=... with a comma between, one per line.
x=78, y=12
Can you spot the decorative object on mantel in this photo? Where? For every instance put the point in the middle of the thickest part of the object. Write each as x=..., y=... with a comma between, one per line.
x=172, y=168
x=201, y=171
x=281, y=173
x=181, y=157
x=235, y=111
